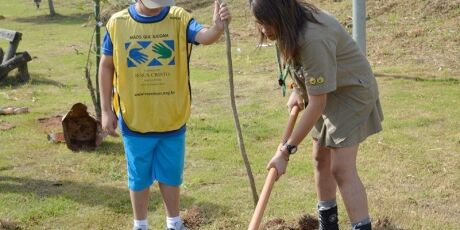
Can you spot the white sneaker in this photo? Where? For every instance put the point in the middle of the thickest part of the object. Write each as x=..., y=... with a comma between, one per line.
x=140, y=228
x=178, y=226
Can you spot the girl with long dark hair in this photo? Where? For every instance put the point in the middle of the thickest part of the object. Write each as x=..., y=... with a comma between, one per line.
x=335, y=86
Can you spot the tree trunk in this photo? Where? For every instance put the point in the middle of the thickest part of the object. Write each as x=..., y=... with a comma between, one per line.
x=51, y=6
x=97, y=9
x=1, y=55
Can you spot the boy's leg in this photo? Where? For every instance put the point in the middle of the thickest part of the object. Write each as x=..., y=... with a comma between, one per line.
x=325, y=188
x=140, y=203
x=139, y=152
x=350, y=185
x=170, y=199
x=170, y=196
x=169, y=167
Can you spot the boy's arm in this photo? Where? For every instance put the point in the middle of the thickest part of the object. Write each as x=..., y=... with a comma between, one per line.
x=106, y=70
x=210, y=35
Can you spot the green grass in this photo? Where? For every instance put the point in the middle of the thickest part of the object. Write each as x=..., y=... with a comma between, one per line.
x=411, y=169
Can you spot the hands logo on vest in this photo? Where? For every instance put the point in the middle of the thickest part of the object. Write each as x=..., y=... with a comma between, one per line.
x=150, y=53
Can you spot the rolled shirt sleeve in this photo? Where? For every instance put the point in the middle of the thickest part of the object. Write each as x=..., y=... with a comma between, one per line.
x=107, y=45
x=193, y=28
x=319, y=62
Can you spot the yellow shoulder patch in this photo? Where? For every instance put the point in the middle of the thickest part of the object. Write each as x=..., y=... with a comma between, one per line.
x=320, y=80
x=316, y=80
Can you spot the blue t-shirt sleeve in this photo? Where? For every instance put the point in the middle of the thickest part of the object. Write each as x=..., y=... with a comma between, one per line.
x=193, y=28
x=107, y=45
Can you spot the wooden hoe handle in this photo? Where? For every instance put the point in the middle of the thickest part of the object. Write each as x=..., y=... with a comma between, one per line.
x=271, y=177
x=263, y=199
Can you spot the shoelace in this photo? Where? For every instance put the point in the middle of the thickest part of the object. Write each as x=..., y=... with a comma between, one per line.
x=325, y=224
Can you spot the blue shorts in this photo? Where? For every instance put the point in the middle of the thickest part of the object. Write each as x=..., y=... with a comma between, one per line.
x=153, y=158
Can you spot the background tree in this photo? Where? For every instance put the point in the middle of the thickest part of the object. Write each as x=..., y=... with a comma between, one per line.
x=50, y=4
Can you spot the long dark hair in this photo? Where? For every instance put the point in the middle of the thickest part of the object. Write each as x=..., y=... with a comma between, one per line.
x=287, y=18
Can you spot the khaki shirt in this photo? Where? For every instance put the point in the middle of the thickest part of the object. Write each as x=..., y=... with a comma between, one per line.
x=330, y=62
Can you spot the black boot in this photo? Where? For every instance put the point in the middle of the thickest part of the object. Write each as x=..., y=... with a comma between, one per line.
x=367, y=226
x=328, y=219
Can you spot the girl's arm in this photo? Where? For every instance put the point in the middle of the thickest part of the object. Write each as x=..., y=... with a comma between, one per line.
x=308, y=119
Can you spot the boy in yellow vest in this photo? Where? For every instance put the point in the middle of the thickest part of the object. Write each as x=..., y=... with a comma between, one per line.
x=145, y=90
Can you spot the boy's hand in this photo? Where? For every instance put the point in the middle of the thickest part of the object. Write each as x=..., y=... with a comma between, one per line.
x=109, y=123
x=207, y=36
x=221, y=14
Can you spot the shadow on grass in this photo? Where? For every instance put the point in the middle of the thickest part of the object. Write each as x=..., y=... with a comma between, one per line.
x=86, y=193
x=35, y=79
x=420, y=79
x=93, y=195
x=56, y=19
x=6, y=168
x=107, y=148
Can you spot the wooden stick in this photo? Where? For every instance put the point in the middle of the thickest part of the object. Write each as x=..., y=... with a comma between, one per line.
x=235, y=114
x=271, y=177
x=290, y=125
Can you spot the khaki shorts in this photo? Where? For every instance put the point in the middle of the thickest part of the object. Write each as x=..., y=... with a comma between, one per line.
x=334, y=136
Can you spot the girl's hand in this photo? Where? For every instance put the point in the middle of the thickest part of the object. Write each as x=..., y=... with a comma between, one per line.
x=221, y=13
x=279, y=161
x=295, y=100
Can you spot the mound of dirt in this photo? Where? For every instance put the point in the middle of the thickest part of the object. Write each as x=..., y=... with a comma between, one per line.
x=440, y=7
x=110, y=9
x=277, y=224
x=305, y=222
x=383, y=8
x=5, y=125
x=194, y=218
x=425, y=8
x=50, y=124
x=385, y=224
x=9, y=225
x=308, y=222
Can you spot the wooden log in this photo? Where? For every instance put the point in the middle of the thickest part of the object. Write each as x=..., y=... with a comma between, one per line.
x=23, y=73
x=9, y=35
x=14, y=38
x=17, y=61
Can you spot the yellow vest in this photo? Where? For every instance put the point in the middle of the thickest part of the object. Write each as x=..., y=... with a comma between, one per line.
x=151, y=79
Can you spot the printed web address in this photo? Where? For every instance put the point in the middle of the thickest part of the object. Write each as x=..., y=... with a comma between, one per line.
x=155, y=93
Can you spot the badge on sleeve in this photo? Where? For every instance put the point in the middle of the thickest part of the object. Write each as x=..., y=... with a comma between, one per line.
x=316, y=80
x=320, y=80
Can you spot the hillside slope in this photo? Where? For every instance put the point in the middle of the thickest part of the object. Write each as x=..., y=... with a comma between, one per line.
x=416, y=38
